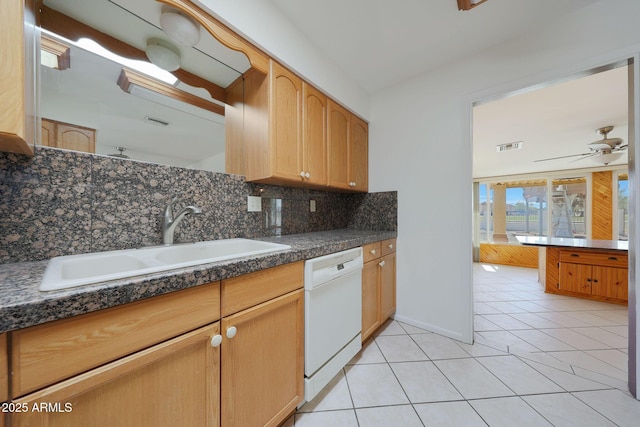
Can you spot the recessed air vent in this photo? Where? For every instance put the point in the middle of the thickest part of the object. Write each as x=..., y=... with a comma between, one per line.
x=510, y=146
x=156, y=122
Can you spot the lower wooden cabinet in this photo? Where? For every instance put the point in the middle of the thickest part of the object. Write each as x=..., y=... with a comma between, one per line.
x=262, y=362
x=263, y=346
x=4, y=374
x=228, y=353
x=170, y=384
x=378, y=285
x=600, y=275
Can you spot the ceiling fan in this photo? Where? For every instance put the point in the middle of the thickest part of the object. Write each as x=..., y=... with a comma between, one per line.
x=603, y=151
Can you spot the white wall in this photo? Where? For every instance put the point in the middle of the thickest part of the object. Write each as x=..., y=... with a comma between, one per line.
x=420, y=146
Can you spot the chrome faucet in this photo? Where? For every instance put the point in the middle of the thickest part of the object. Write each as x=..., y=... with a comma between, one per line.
x=169, y=222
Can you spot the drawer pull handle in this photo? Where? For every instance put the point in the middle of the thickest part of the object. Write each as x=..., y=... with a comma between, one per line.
x=381, y=264
x=231, y=332
x=575, y=255
x=216, y=340
x=612, y=258
x=373, y=251
x=390, y=246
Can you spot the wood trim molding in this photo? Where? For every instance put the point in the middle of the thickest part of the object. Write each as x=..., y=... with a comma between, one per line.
x=71, y=29
x=469, y=4
x=258, y=59
x=129, y=78
x=59, y=49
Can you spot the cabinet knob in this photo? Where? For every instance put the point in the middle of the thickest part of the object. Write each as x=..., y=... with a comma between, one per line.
x=216, y=340
x=373, y=251
x=307, y=175
x=302, y=174
x=390, y=246
x=231, y=332
x=381, y=264
x=352, y=184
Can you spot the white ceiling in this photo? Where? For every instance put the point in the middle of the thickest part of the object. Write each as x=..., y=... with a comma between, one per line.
x=380, y=43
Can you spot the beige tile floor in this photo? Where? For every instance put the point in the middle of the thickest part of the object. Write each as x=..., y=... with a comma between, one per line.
x=537, y=360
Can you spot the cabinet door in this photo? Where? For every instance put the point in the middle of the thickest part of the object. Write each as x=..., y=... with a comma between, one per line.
x=263, y=362
x=338, y=125
x=314, y=135
x=17, y=123
x=370, y=299
x=610, y=282
x=75, y=138
x=48, y=135
x=175, y=383
x=575, y=278
x=359, y=155
x=4, y=369
x=285, y=124
x=387, y=286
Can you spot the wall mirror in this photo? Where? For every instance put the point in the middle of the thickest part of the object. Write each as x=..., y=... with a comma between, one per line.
x=179, y=123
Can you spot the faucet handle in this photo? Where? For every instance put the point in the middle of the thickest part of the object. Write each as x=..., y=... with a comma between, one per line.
x=168, y=210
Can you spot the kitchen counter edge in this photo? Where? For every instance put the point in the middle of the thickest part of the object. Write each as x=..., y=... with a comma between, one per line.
x=23, y=305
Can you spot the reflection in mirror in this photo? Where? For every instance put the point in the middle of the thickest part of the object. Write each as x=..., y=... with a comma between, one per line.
x=95, y=98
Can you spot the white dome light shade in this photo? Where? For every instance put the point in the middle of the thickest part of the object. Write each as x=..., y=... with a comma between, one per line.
x=163, y=54
x=606, y=158
x=180, y=28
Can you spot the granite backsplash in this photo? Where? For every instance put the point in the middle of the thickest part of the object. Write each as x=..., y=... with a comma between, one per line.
x=62, y=202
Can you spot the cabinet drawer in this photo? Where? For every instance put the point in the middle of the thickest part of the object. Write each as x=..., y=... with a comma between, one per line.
x=4, y=381
x=608, y=259
x=371, y=251
x=388, y=246
x=252, y=289
x=47, y=353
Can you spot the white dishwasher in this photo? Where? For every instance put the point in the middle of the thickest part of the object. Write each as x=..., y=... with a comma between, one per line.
x=333, y=316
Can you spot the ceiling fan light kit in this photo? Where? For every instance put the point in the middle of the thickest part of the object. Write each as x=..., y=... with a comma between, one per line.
x=603, y=151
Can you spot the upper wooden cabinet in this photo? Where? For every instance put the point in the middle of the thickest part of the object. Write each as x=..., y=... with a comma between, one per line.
x=68, y=136
x=17, y=82
x=295, y=135
x=285, y=123
x=347, y=146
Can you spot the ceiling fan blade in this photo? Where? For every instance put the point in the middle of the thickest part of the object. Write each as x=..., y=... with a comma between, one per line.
x=564, y=157
x=586, y=156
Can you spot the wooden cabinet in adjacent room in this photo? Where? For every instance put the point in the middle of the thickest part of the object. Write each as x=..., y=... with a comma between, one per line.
x=68, y=136
x=601, y=275
x=378, y=285
x=263, y=346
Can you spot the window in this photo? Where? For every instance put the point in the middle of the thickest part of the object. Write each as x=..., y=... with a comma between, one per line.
x=569, y=207
x=623, y=206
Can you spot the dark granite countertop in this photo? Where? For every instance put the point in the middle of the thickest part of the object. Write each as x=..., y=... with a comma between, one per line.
x=567, y=242
x=23, y=305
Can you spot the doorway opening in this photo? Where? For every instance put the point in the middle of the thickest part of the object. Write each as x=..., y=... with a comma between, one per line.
x=548, y=186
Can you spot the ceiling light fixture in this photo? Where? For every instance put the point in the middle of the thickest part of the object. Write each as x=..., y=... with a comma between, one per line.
x=606, y=158
x=180, y=28
x=469, y=4
x=163, y=54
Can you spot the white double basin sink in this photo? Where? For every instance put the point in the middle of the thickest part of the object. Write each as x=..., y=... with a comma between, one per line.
x=76, y=270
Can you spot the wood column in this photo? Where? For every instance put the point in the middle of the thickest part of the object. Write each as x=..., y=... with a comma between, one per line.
x=500, y=213
x=602, y=206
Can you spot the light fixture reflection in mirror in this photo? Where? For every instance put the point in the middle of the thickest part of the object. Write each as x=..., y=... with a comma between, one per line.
x=86, y=94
